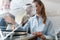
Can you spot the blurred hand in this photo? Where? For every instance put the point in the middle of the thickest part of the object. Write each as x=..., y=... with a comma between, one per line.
x=8, y=19
x=38, y=34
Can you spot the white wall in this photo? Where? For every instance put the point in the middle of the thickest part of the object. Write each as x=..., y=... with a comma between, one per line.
x=56, y=1
x=52, y=8
x=1, y=3
x=53, y=13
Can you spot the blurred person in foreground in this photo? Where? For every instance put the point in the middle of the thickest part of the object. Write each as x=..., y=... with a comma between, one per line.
x=4, y=21
x=28, y=14
x=7, y=17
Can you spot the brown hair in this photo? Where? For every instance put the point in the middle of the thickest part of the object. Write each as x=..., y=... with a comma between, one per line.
x=42, y=10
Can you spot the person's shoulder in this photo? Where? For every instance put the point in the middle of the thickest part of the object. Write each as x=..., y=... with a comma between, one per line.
x=32, y=17
x=48, y=20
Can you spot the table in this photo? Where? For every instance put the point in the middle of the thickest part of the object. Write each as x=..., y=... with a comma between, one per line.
x=24, y=37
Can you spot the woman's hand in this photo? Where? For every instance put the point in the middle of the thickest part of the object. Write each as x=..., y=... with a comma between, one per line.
x=40, y=35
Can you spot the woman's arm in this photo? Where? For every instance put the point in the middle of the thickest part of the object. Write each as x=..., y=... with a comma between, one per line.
x=24, y=28
x=49, y=31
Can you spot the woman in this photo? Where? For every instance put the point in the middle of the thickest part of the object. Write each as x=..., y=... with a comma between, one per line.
x=39, y=25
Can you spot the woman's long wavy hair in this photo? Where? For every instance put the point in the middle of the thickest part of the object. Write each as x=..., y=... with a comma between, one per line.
x=43, y=14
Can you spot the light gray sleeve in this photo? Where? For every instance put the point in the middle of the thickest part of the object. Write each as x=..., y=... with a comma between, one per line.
x=50, y=30
x=25, y=27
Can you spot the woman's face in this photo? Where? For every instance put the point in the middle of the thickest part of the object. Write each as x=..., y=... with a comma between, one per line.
x=38, y=7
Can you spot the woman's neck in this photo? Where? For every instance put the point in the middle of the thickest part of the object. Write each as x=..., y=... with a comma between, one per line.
x=38, y=15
